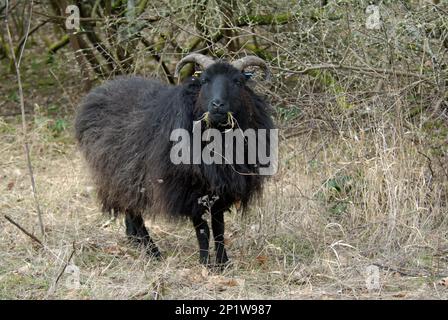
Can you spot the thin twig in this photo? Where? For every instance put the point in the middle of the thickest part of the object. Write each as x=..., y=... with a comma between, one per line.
x=13, y=114
x=87, y=19
x=63, y=18
x=53, y=286
x=21, y=45
x=353, y=68
x=408, y=273
x=72, y=103
x=22, y=107
x=33, y=237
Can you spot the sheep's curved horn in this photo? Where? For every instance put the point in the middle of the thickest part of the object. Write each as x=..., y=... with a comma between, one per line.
x=242, y=63
x=198, y=58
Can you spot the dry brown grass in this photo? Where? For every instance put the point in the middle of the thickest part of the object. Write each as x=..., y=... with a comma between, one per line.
x=363, y=178
x=306, y=239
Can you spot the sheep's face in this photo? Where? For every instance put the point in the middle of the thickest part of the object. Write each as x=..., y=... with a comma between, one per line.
x=221, y=86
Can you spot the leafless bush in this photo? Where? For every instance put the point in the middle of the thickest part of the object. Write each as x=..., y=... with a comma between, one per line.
x=362, y=104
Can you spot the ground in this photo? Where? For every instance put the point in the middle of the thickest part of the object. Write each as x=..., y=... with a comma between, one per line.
x=290, y=245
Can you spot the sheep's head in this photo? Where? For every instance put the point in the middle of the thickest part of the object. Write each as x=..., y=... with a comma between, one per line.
x=222, y=87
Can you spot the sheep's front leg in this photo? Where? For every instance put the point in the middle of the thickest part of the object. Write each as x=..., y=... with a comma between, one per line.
x=203, y=235
x=137, y=233
x=218, y=234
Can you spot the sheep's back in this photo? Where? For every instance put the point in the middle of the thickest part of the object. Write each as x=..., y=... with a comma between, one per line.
x=113, y=133
x=115, y=104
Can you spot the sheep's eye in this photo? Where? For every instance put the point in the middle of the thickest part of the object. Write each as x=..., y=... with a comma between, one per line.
x=204, y=80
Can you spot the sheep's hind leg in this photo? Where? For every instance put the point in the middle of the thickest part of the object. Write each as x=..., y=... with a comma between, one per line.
x=218, y=234
x=137, y=234
x=203, y=235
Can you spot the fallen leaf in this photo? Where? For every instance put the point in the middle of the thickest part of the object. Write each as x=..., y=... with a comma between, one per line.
x=262, y=259
x=193, y=275
x=230, y=283
x=23, y=270
x=443, y=282
x=221, y=283
x=114, y=250
x=204, y=272
x=399, y=295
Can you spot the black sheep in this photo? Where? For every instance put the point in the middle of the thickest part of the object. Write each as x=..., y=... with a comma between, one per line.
x=123, y=128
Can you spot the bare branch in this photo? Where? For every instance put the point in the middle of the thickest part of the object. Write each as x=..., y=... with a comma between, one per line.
x=22, y=107
x=376, y=71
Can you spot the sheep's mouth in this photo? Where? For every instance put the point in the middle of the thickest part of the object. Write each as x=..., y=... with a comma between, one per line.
x=219, y=120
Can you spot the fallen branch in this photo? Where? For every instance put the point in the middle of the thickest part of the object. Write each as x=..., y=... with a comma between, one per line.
x=24, y=231
x=409, y=273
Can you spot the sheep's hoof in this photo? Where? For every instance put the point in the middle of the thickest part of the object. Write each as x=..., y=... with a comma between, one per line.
x=149, y=246
x=219, y=267
x=204, y=259
x=153, y=252
x=221, y=258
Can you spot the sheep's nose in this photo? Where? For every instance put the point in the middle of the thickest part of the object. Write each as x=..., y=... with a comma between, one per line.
x=217, y=105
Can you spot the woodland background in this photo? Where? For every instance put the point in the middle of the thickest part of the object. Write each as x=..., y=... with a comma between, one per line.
x=360, y=97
